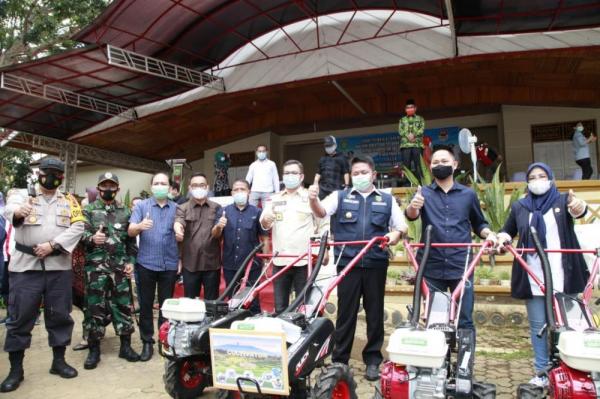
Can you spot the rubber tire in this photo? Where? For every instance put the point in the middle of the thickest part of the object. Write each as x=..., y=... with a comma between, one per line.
x=172, y=386
x=329, y=378
x=482, y=390
x=529, y=391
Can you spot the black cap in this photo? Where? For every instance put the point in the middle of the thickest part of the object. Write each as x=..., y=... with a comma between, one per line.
x=410, y=101
x=329, y=141
x=52, y=163
x=108, y=177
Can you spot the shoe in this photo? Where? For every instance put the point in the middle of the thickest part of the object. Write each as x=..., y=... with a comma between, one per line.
x=372, y=373
x=13, y=380
x=539, y=381
x=81, y=346
x=147, y=351
x=61, y=368
x=93, y=357
x=126, y=352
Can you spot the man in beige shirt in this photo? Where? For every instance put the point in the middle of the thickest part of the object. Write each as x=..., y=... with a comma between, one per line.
x=289, y=216
x=47, y=229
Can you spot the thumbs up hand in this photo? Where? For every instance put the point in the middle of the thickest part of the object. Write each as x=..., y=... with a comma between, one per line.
x=222, y=221
x=99, y=238
x=576, y=206
x=147, y=223
x=24, y=210
x=313, y=192
x=418, y=200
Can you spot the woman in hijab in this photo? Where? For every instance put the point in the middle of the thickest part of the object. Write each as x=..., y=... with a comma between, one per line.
x=552, y=215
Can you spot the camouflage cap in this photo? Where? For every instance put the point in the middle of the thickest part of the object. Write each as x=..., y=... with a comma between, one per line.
x=52, y=163
x=108, y=177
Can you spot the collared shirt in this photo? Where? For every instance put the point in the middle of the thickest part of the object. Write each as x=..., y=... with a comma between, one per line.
x=294, y=224
x=263, y=176
x=411, y=124
x=157, y=246
x=581, y=149
x=241, y=234
x=50, y=220
x=453, y=215
x=200, y=250
x=397, y=221
x=332, y=170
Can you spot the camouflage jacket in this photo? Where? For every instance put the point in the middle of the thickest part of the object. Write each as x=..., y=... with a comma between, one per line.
x=119, y=249
x=411, y=124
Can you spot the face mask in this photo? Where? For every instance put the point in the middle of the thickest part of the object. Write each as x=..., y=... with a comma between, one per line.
x=261, y=155
x=50, y=181
x=441, y=172
x=199, y=193
x=361, y=182
x=539, y=187
x=240, y=198
x=107, y=195
x=330, y=150
x=579, y=128
x=170, y=196
x=291, y=181
x=160, y=192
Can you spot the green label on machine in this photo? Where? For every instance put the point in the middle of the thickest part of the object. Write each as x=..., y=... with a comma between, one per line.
x=414, y=341
x=591, y=343
x=245, y=326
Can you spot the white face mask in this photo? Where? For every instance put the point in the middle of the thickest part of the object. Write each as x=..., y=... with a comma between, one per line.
x=330, y=150
x=199, y=193
x=539, y=187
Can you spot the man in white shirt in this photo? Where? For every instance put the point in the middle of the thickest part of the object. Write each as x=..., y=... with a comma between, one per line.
x=361, y=213
x=289, y=215
x=263, y=177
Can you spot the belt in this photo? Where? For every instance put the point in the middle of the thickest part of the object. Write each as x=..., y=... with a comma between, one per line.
x=31, y=250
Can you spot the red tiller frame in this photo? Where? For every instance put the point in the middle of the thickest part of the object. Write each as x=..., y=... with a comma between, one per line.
x=367, y=246
x=587, y=291
x=467, y=273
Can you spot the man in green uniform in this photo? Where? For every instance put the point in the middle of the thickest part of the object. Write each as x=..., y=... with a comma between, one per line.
x=411, y=128
x=110, y=256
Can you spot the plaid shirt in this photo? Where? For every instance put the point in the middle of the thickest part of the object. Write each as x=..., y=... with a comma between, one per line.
x=332, y=170
x=416, y=126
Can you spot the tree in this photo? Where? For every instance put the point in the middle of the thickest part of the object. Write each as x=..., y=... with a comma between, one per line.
x=14, y=168
x=31, y=29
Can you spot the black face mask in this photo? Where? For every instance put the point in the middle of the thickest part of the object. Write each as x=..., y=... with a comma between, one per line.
x=442, y=171
x=50, y=181
x=107, y=195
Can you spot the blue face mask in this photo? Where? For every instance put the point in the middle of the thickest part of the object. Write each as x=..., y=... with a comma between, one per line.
x=579, y=128
x=291, y=181
x=240, y=198
x=261, y=155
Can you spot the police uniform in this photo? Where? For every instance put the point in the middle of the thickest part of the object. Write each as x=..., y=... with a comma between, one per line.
x=358, y=216
x=107, y=286
x=57, y=220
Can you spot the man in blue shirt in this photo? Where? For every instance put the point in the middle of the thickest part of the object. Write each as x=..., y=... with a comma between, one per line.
x=241, y=232
x=158, y=257
x=454, y=211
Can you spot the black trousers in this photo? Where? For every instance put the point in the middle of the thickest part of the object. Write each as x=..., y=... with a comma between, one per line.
x=586, y=168
x=194, y=281
x=252, y=277
x=370, y=285
x=296, y=277
x=149, y=281
x=411, y=158
x=27, y=289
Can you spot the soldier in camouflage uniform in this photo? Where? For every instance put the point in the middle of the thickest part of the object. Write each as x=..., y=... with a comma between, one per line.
x=110, y=256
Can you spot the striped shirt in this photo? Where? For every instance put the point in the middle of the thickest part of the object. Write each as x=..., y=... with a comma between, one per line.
x=157, y=247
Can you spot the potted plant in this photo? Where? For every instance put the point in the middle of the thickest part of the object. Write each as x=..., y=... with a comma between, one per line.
x=392, y=277
x=505, y=279
x=485, y=275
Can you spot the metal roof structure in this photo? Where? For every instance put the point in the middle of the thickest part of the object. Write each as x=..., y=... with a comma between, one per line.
x=169, y=53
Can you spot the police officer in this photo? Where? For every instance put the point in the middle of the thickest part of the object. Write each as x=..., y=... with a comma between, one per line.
x=361, y=213
x=48, y=226
x=109, y=259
